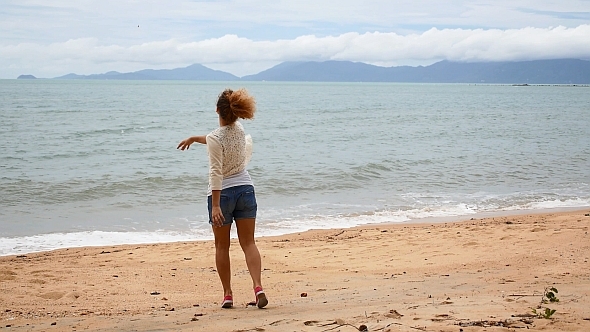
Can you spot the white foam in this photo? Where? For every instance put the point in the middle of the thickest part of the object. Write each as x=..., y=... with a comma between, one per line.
x=46, y=242
x=352, y=220
x=552, y=204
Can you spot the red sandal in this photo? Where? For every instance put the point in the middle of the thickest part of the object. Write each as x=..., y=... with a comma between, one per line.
x=261, y=300
x=228, y=302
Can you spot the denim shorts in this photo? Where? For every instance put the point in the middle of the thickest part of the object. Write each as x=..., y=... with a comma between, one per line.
x=236, y=203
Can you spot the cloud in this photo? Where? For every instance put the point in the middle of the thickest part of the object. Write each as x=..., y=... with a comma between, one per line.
x=246, y=56
x=116, y=21
x=52, y=37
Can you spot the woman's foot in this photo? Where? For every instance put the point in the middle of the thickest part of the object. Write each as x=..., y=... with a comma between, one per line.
x=228, y=302
x=261, y=300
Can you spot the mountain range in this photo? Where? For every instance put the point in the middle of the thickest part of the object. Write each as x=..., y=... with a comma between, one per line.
x=560, y=71
x=194, y=72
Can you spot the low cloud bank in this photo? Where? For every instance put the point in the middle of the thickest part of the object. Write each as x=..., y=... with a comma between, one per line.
x=242, y=56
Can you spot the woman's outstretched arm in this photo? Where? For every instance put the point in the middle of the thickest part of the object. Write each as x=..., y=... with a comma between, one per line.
x=185, y=144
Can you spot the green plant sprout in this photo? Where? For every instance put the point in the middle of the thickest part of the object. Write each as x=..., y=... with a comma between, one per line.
x=547, y=313
x=548, y=297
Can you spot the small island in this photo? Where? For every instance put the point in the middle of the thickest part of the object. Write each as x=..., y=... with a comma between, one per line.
x=26, y=77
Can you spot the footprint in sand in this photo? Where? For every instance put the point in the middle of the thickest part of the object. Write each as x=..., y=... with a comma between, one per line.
x=6, y=275
x=393, y=314
x=37, y=281
x=53, y=295
x=72, y=296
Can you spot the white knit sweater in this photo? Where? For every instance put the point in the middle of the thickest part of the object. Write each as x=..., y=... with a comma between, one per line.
x=230, y=150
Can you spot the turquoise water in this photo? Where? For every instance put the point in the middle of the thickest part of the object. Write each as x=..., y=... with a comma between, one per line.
x=95, y=162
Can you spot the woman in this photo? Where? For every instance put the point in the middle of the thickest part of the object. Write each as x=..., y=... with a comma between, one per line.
x=231, y=192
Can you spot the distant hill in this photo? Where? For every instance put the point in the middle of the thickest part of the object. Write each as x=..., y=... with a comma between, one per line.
x=563, y=71
x=194, y=72
x=26, y=77
x=327, y=71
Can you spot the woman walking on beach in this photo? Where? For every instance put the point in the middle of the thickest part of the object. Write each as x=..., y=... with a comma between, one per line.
x=231, y=192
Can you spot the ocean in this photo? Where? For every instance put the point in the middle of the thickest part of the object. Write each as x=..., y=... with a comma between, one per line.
x=88, y=162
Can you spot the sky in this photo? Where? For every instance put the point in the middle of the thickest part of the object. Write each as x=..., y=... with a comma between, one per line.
x=50, y=38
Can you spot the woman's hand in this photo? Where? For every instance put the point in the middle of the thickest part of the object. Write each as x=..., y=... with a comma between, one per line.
x=185, y=144
x=217, y=216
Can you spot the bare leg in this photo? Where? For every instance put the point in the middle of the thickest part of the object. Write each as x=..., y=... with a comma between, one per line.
x=222, y=242
x=246, y=236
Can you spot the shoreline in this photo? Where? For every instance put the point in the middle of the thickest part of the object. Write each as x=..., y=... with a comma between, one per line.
x=495, y=214
x=168, y=239
x=429, y=276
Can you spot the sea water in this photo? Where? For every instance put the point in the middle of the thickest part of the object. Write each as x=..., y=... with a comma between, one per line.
x=85, y=162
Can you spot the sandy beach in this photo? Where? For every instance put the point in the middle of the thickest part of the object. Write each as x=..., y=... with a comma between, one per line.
x=471, y=275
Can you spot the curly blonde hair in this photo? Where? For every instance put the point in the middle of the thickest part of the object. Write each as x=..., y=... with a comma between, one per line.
x=236, y=104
